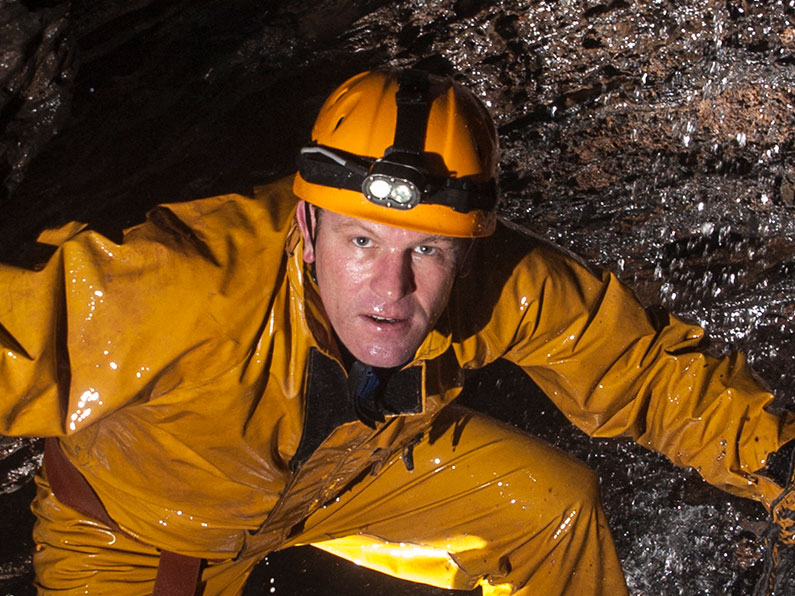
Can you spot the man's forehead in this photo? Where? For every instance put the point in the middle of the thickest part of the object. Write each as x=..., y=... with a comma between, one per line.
x=348, y=223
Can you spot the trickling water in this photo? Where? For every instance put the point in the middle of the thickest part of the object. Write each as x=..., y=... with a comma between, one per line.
x=654, y=138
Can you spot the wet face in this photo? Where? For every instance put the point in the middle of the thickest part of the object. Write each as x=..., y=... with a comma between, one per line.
x=382, y=287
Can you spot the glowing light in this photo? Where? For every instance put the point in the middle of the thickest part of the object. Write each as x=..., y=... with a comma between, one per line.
x=415, y=562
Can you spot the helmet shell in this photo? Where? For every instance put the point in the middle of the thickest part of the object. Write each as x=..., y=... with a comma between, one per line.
x=460, y=141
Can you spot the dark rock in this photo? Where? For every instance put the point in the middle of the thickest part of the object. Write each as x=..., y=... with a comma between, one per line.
x=655, y=139
x=37, y=69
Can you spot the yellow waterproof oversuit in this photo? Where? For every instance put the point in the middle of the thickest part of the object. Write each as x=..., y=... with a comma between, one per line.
x=192, y=378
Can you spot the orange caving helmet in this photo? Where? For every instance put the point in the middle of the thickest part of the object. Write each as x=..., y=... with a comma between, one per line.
x=407, y=149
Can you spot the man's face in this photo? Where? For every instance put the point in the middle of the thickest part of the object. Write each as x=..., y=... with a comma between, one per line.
x=382, y=287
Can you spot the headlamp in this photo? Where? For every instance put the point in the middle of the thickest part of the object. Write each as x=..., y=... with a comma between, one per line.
x=393, y=184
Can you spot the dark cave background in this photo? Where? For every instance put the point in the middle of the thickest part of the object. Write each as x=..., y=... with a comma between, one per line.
x=653, y=138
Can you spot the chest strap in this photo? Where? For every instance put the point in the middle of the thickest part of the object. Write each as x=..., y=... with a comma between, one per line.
x=177, y=575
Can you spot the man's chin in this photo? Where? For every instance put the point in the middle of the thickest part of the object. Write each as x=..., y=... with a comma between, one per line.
x=383, y=356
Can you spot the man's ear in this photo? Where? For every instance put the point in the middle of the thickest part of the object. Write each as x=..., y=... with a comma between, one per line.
x=305, y=216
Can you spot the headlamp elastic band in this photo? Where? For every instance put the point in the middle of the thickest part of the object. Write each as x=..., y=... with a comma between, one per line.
x=327, y=166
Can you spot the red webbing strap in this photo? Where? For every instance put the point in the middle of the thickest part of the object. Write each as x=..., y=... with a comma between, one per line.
x=177, y=575
x=69, y=486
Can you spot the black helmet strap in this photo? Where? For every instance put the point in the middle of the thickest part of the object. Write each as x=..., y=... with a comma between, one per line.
x=413, y=108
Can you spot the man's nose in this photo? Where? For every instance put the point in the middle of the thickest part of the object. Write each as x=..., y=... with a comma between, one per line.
x=393, y=277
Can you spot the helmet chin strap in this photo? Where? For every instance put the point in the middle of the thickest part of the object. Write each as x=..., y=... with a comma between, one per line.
x=463, y=263
x=311, y=231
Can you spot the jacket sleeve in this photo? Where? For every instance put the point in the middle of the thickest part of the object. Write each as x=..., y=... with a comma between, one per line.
x=615, y=369
x=103, y=325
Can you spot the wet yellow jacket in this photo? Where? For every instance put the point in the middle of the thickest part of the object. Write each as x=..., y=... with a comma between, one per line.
x=173, y=367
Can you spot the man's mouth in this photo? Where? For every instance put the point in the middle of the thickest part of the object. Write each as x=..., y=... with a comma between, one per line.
x=378, y=319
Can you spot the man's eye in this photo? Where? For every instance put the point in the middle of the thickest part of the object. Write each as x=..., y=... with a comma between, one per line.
x=361, y=241
x=426, y=250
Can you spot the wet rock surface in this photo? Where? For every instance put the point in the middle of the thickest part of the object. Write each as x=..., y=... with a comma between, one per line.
x=653, y=138
x=36, y=72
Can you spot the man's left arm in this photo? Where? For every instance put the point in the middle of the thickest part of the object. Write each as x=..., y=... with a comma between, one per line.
x=615, y=369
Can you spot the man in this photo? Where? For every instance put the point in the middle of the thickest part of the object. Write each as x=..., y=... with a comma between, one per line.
x=243, y=375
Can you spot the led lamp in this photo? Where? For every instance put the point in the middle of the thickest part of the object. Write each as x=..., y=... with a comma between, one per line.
x=392, y=191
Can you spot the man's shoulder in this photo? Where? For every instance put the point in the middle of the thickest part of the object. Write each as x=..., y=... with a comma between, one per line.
x=269, y=208
x=218, y=223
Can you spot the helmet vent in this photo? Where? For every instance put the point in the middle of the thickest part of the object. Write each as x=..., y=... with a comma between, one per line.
x=338, y=124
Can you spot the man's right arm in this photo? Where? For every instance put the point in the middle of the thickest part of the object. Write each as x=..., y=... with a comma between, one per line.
x=31, y=328
x=103, y=325
x=84, y=334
